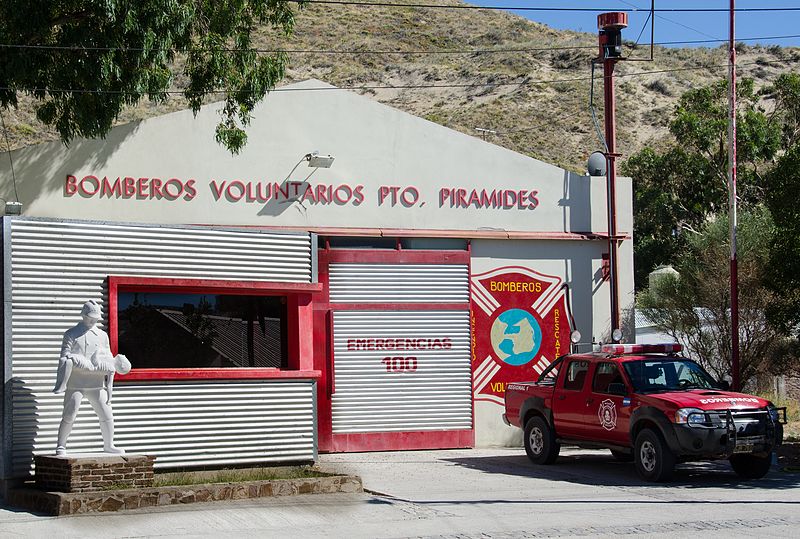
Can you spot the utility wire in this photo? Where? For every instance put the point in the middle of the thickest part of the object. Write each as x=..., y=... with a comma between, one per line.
x=391, y=87
x=541, y=8
x=644, y=26
x=509, y=132
x=649, y=13
x=74, y=48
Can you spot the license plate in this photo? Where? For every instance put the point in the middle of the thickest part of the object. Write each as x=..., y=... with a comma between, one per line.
x=743, y=448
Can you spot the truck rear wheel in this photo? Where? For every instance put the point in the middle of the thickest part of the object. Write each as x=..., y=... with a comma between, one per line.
x=540, y=441
x=653, y=459
x=751, y=466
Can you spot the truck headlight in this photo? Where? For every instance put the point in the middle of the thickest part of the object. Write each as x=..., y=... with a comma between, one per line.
x=691, y=416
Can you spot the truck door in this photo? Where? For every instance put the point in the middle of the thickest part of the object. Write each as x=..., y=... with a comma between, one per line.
x=569, y=399
x=607, y=415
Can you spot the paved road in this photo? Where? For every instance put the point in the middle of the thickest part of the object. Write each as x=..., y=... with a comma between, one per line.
x=466, y=494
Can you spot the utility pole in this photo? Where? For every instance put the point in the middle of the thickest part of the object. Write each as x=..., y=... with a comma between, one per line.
x=610, y=38
x=732, y=217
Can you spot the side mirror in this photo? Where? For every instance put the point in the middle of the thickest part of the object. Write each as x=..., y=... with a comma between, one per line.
x=724, y=385
x=617, y=388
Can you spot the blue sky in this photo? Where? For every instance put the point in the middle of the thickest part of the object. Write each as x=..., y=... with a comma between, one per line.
x=671, y=26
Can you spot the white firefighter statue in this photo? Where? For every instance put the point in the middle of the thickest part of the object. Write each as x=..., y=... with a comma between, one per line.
x=86, y=369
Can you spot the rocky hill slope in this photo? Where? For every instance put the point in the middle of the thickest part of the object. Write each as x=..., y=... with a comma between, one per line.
x=526, y=83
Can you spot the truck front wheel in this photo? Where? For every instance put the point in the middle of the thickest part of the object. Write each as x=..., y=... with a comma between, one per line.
x=751, y=466
x=540, y=441
x=653, y=459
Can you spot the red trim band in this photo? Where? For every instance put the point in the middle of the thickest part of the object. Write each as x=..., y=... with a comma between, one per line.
x=138, y=375
x=400, y=306
x=399, y=441
x=392, y=256
x=448, y=233
x=206, y=286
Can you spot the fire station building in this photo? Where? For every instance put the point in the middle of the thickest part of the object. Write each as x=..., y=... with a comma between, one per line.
x=356, y=279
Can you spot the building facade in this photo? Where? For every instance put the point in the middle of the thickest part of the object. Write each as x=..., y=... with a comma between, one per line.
x=272, y=309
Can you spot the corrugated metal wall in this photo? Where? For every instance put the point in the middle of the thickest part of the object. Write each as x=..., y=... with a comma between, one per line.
x=55, y=266
x=422, y=382
x=212, y=423
x=399, y=283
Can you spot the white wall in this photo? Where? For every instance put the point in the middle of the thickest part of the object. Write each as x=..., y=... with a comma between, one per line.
x=374, y=146
x=579, y=264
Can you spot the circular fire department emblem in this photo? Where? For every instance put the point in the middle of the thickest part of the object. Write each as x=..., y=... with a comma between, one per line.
x=607, y=414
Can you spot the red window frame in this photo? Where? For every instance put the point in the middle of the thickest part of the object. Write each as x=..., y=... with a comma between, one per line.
x=299, y=308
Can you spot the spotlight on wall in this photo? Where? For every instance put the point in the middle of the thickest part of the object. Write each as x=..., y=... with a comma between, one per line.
x=315, y=160
x=13, y=208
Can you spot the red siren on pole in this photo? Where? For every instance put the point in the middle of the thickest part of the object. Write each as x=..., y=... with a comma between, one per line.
x=612, y=21
x=610, y=26
x=610, y=41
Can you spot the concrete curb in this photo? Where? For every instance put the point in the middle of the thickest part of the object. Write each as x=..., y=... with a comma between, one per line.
x=74, y=503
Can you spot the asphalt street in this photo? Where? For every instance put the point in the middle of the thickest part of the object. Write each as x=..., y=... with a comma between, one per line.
x=465, y=494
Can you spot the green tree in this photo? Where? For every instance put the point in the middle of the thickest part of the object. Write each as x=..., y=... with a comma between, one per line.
x=783, y=271
x=84, y=61
x=678, y=189
x=694, y=307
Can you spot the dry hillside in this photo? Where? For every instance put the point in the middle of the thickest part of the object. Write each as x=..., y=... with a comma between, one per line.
x=535, y=100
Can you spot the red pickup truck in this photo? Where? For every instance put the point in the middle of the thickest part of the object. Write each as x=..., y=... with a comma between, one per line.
x=646, y=404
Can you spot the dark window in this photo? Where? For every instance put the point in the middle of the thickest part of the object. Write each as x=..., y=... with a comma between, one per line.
x=605, y=374
x=668, y=374
x=434, y=244
x=341, y=242
x=185, y=331
x=576, y=375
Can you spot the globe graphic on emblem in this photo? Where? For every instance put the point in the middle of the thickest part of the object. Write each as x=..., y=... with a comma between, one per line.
x=516, y=337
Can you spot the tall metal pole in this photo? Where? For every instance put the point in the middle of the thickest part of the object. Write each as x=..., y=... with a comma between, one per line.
x=610, y=40
x=735, y=372
x=611, y=156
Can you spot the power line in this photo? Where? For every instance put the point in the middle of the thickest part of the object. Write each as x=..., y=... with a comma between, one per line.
x=389, y=87
x=73, y=48
x=542, y=8
x=649, y=13
x=509, y=132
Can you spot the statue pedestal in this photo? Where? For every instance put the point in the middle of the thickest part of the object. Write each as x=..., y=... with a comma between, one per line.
x=90, y=472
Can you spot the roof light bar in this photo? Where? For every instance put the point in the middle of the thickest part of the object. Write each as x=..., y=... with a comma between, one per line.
x=641, y=348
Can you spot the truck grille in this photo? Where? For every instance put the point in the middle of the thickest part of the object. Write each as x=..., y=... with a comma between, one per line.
x=747, y=422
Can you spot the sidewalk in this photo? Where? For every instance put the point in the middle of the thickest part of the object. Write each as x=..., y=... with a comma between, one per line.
x=468, y=494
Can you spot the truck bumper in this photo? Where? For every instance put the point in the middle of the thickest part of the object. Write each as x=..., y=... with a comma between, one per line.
x=723, y=442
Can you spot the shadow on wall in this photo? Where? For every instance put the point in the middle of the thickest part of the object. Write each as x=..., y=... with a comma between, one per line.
x=41, y=169
x=24, y=428
x=576, y=203
x=289, y=194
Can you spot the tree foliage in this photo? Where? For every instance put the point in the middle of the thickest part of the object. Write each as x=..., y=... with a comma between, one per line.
x=85, y=60
x=679, y=188
x=783, y=271
x=694, y=307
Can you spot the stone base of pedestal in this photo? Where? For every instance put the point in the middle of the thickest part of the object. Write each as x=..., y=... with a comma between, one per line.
x=60, y=503
x=91, y=472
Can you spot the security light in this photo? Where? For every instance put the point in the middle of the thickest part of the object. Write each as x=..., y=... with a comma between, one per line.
x=13, y=208
x=315, y=160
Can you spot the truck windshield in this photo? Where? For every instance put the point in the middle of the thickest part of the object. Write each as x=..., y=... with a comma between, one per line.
x=668, y=374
